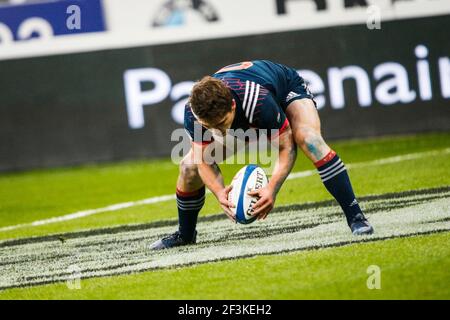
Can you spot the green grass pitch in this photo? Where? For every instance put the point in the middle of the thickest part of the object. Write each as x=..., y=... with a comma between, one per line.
x=286, y=263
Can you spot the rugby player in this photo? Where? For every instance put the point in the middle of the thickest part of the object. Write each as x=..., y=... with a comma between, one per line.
x=264, y=95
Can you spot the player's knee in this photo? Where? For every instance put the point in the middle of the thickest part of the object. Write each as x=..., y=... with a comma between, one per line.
x=188, y=169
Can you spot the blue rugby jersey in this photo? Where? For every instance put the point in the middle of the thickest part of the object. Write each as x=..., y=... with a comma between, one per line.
x=262, y=90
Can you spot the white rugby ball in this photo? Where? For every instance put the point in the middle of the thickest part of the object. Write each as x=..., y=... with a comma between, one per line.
x=249, y=178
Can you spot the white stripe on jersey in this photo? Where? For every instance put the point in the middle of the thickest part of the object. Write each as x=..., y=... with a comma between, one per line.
x=247, y=83
x=250, y=99
x=255, y=100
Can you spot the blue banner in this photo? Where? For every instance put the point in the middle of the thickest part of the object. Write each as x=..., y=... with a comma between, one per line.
x=60, y=17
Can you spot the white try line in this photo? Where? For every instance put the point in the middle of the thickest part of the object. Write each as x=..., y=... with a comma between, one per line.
x=158, y=199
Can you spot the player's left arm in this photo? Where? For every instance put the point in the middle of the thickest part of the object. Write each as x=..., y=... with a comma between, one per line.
x=283, y=166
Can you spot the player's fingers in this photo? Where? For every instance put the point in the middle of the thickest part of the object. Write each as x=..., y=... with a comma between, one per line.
x=264, y=216
x=227, y=208
x=229, y=214
x=253, y=192
x=230, y=218
x=262, y=212
x=228, y=211
x=259, y=203
x=257, y=206
x=227, y=204
x=231, y=205
x=268, y=211
x=228, y=189
x=260, y=209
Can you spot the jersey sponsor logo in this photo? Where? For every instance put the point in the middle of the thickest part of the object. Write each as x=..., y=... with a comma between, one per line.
x=250, y=99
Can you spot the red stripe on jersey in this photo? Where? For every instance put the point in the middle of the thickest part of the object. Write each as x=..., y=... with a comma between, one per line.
x=284, y=126
x=281, y=130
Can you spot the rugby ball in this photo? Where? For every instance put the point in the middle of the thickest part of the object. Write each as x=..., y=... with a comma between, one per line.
x=249, y=178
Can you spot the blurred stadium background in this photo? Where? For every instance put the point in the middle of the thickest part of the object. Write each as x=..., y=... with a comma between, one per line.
x=91, y=91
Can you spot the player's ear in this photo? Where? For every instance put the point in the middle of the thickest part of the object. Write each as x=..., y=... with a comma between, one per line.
x=233, y=105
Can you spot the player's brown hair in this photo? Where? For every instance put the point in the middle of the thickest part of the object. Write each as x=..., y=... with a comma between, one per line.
x=210, y=100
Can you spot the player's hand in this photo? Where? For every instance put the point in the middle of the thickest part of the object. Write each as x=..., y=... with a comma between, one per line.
x=265, y=202
x=222, y=197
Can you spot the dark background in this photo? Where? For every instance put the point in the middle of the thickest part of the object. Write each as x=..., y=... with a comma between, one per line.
x=70, y=109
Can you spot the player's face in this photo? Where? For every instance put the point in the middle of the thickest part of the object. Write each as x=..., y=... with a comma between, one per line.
x=222, y=125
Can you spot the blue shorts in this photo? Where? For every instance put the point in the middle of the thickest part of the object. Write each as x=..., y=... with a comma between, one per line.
x=298, y=89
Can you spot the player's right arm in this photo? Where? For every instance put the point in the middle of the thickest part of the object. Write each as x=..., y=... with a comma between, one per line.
x=212, y=178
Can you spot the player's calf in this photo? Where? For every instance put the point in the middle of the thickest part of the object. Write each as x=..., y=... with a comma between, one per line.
x=190, y=195
x=334, y=176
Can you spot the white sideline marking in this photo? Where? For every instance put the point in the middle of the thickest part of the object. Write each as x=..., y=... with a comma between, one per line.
x=294, y=175
x=89, y=212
